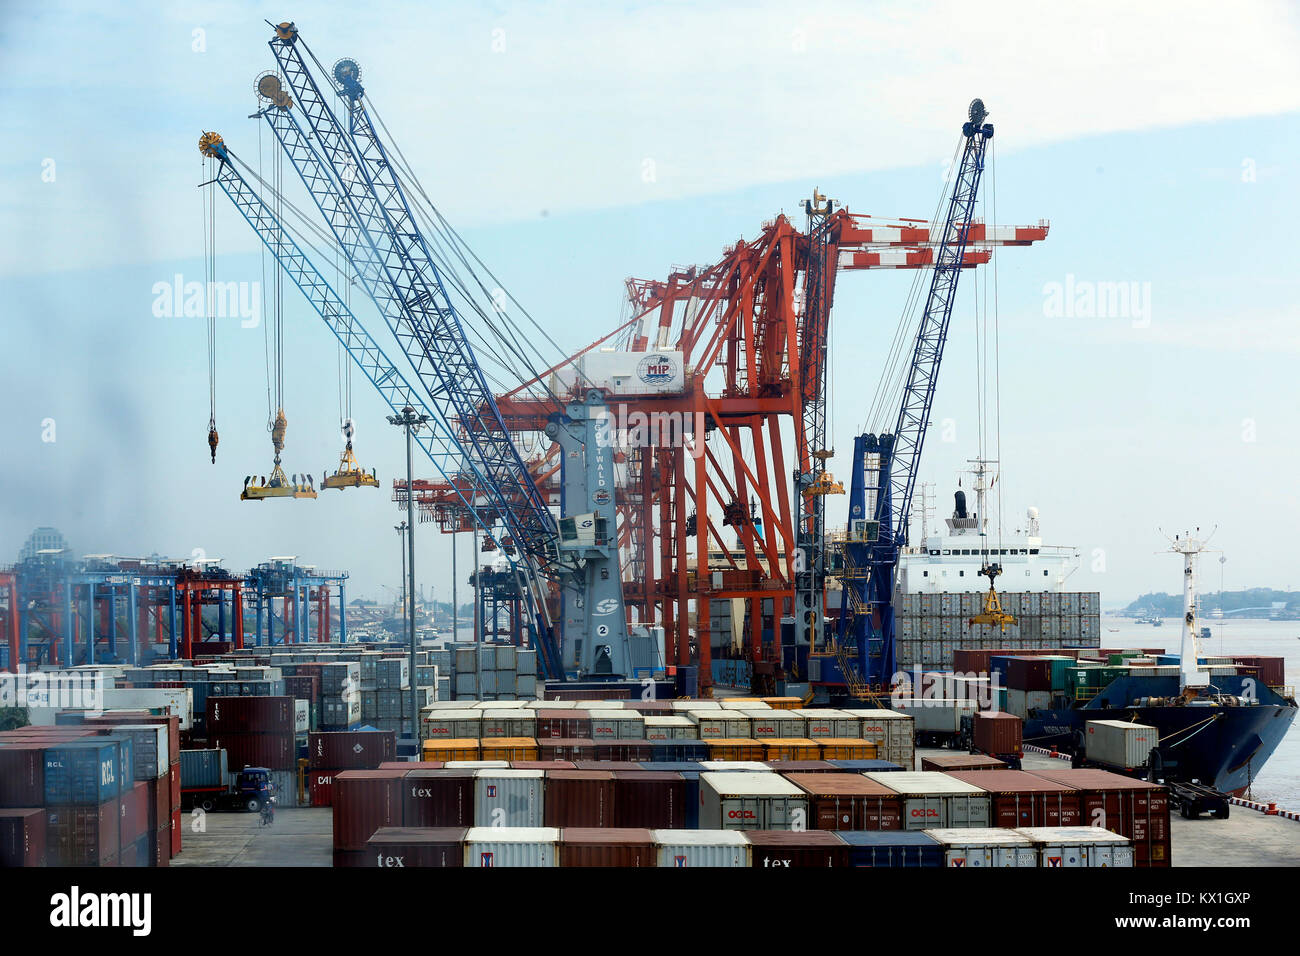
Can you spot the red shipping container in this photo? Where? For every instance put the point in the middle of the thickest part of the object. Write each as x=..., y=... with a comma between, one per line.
x=946, y=763
x=351, y=858
x=849, y=801
x=612, y=766
x=22, y=775
x=82, y=836
x=543, y=765
x=364, y=801
x=174, y=785
x=351, y=749
x=558, y=748
x=160, y=804
x=624, y=751
x=995, y=732
x=250, y=715
x=1132, y=808
x=437, y=798
x=135, y=820
x=786, y=849
x=272, y=751
x=176, y=834
x=803, y=766
x=1021, y=799
x=579, y=798
x=406, y=847
x=410, y=765
x=653, y=799
x=1026, y=673
x=1270, y=670
x=22, y=837
x=624, y=847
x=563, y=724
x=320, y=787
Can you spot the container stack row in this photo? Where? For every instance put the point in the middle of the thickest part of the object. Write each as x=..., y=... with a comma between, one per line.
x=743, y=797
x=1053, y=847
x=97, y=792
x=930, y=627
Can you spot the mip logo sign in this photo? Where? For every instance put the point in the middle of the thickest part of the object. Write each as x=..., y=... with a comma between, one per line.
x=491, y=789
x=485, y=859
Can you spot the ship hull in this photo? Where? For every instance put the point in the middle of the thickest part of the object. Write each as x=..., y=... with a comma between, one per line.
x=1225, y=747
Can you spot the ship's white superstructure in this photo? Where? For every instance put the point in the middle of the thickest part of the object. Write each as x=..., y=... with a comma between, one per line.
x=950, y=561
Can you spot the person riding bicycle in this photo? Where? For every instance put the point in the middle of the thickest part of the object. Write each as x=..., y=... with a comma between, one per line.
x=268, y=812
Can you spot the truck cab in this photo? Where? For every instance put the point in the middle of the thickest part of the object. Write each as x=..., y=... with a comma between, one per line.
x=253, y=788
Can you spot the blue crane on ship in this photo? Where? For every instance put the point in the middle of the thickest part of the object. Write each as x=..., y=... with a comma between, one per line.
x=885, y=466
x=354, y=185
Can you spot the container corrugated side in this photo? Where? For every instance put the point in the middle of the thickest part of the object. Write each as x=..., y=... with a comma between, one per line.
x=695, y=848
x=983, y=847
x=512, y=847
x=509, y=798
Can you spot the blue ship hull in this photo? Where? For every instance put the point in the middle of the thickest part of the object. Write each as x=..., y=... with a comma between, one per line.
x=1225, y=747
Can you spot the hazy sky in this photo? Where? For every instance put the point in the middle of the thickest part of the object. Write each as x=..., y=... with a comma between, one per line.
x=1160, y=140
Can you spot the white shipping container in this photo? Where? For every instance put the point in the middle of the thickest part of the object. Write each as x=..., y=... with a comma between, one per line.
x=508, y=798
x=694, y=848
x=786, y=724
x=675, y=727
x=1074, y=847
x=149, y=749
x=1119, y=743
x=454, y=725
x=517, y=846
x=509, y=722
x=617, y=725
x=730, y=766
x=751, y=801
x=892, y=731
x=828, y=722
x=932, y=799
x=985, y=847
x=743, y=705
x=940, y=715
x=301, y=716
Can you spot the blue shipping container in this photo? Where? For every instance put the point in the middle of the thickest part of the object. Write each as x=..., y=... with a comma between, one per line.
x=891, y=848
x=82, y=773
x=672, y=751
x=866, y=766
x=203, y=768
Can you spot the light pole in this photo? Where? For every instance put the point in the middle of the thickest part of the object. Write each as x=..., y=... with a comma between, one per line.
x=401, y=547
x=409, y=420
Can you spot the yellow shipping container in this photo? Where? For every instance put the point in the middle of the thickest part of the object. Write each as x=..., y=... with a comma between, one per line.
x=508, y=748
x=845, y=748
x=783, y=703
x=735, y=748
x=791, y=748
x=462, y=748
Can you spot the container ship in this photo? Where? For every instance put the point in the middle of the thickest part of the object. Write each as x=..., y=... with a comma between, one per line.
x=1219, y=718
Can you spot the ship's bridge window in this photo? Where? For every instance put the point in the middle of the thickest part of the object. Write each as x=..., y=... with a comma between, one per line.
x=961, y=574
x=1033, y=550
x=946, y=551
x=926, y=574
x=1044, y=574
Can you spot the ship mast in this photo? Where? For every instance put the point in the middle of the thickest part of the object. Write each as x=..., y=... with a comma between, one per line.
x=1190, y=547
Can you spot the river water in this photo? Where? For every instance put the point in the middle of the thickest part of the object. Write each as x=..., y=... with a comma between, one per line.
x=1279, y=781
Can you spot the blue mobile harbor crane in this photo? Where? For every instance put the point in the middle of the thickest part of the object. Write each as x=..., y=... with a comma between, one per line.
x=360, y=194
x=885, y=466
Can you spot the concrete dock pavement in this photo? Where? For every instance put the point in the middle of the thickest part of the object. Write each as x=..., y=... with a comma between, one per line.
x=298, y=837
